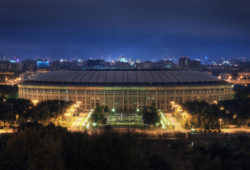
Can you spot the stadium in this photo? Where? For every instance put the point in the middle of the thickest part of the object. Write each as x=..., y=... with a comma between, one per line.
x=125, y=91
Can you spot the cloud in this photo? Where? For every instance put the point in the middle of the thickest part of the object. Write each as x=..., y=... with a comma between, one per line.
x=111, y=24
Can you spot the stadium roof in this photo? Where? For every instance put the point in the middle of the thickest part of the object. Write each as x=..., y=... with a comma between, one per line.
x=127, y=78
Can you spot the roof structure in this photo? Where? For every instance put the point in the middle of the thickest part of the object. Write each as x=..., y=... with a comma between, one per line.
x=127, y=78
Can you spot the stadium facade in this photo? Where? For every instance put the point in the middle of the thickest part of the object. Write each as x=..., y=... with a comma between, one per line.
x=126, y=91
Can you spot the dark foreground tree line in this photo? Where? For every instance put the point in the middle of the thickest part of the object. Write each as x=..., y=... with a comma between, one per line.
x=36, y=146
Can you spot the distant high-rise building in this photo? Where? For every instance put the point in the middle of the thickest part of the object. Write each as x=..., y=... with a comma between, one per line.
x=184, y=62
x=42, y=64
x=10, y=66
x=194, y=64
x=94, y=64
x=123, y=59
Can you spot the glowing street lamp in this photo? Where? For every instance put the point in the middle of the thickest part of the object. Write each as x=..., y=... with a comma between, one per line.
x=220, y=121
x=215, y=101
x=137, y=110
x=35, y=102
x=234, y=116
x=17, y=117
x=67, y=114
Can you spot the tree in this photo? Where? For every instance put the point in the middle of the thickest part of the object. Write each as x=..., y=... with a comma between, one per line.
x=203, y=115
x=21, y=107
x=40, y=112
x=36, y=147
x=106, y=109
x=150, y=115
x=45, y=111
x=98, y=116
x=7, y=91
x=6, y=113
x=241, y=92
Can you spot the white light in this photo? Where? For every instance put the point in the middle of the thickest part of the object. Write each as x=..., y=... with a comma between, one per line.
x=163, y=126
x=67, y=114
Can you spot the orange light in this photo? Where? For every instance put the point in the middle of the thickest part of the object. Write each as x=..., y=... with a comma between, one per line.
x=35, y=102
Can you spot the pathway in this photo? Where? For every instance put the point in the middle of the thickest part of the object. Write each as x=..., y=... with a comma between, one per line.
x=175, y=123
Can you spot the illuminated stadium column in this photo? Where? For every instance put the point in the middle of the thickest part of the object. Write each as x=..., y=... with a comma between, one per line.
x=126, y=98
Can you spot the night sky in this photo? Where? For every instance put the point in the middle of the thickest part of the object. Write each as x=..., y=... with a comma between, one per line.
x=147, y=29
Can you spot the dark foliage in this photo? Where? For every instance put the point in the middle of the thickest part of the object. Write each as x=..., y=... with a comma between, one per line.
x=150, y=115
x=203, y=115
x=36, y=146
x=98, y=115
x=8, y=91
x=236, y=111
x=106, y=109
x=241, y=92
x=23, y=110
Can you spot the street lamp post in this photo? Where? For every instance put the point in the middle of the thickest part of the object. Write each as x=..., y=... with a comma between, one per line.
x=220, y=120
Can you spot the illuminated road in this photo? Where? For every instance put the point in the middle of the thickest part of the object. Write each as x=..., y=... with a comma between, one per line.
x=4, y=131
x=239, y=81
x=76, y=124
x=236, y=130
x=175, y=123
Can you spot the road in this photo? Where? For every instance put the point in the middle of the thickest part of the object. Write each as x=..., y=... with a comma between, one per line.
x=236, y=130
x=176, y=124
x=76, y=124
x=4, y=131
